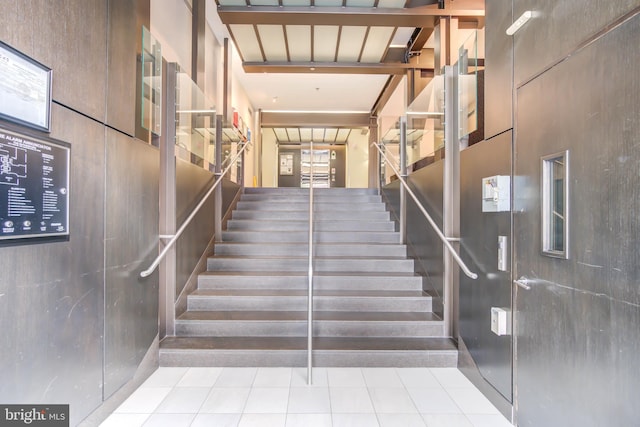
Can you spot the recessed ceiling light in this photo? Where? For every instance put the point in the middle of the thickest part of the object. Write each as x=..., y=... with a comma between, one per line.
x=275, y=99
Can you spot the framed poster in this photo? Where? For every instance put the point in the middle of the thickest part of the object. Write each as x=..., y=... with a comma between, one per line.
x=34, y=186
x=286, y=164
x=25, y=89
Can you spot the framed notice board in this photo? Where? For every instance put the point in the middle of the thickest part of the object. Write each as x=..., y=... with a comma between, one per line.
x=25, y=89
x=34, y=186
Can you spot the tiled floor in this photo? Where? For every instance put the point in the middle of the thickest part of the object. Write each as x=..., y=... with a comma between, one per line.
x=339, y=397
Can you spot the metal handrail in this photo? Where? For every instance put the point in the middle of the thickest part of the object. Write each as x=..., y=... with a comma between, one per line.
x=184, y=225
x=442, y=237
x=310, y=298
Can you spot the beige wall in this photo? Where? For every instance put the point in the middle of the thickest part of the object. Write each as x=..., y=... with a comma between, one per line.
x=269, y=160
x=171, y=26
x=357, y=160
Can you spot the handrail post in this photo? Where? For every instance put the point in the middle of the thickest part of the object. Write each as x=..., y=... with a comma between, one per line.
x=310, y=298
x=451, y=202
x=167, y=271
x=403, y=174
x=217, y=199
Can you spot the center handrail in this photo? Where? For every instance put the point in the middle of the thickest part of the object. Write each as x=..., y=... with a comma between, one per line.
x=442, y=237
x=184, y=225
x=310, y=298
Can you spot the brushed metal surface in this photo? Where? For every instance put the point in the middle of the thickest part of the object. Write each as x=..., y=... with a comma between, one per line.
x=131, y=243
x=192, y=182
x=479, y=249
x=52, y=294
x=577, y=335
x=422, y=242
x=69, y=39
x=121, y=73
x=557, y=28
x=498, y=80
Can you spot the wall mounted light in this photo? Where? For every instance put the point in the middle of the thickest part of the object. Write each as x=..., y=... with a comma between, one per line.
x=519, y=22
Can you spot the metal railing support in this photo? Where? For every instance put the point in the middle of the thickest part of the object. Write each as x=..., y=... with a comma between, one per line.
x=310, y=298
x=217, y=206
x=403, y=174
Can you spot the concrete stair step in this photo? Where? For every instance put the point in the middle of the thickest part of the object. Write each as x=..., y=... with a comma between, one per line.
x=317, y=198
x=321, y=250
x=304, y=206
x=318, y=225
x=299, y=280
x=297, y=299
x=269, y=237
x=292, y=351
x=303, y=215
x=294, y=323
x=297, y=190
x=334, y=264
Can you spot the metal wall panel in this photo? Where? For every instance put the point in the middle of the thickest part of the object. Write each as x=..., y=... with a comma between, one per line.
x=52, y=294
x=121, y=77
x=192, y=182
x=290, y=180
x=577, y=336
x=557, y=28
x=479, y=249
x=498, y=76
x=131, y=243
x=423, y=243
x=71, y=40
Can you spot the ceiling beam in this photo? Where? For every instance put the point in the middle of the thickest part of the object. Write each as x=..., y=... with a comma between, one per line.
x=327, y=67
x=318, y=120
x=423, y=16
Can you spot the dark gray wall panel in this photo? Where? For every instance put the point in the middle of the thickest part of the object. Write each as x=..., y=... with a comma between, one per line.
x=498, y=76
x=131, y=244
x=479, y=249
x=290, y=180
x=560, y=111
x=229, y=192
x=51, y=294
x=557, y=28
x=121, y=77
x=192, y=182
x=424, y=244
x=70, y=38
x=577, y=338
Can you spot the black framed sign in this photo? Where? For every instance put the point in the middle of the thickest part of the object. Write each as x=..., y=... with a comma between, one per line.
x=34, y=186
x=25, y=89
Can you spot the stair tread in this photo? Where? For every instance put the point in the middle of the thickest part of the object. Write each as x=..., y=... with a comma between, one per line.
x=305, y=274
x=300, y=343
x=342, y=316
x=318, y=293
x=293, y=258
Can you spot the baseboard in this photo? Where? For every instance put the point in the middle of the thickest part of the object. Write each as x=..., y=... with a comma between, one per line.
x=148, y=365
x=468, y=367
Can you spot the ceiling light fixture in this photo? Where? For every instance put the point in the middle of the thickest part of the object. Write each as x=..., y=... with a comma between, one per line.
x=519, y=22
x=275, y=99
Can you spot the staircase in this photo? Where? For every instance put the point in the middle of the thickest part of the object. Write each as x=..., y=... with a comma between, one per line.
x=250, y=308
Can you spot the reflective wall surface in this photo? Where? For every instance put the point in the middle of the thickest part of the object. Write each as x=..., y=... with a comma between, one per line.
x=479, y=233
x=577, y=335
x=77, y=319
